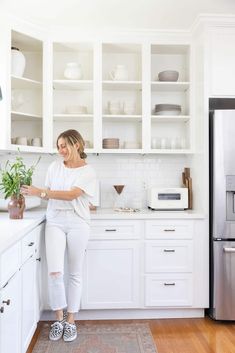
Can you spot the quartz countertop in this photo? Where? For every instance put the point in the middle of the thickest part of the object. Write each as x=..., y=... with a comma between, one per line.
x=108, y=213
x=12, y=230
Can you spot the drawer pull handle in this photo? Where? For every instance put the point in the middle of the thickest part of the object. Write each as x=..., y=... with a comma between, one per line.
x=38, y=259
x=110, y=230
x=31, y=244
x=1, y=309
x=169, y=284
x=169, y=230
x=169, y=250
x=7, y=302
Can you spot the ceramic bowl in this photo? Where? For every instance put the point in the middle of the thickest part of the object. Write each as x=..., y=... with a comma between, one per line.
x=168, y=75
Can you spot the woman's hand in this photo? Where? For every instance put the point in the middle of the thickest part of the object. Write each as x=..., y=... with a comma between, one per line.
x=30, y=190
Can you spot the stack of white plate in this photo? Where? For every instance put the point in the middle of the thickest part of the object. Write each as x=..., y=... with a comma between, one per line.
x=110, y=143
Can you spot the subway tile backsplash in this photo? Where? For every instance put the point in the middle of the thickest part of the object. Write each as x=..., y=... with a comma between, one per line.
x=136, y=172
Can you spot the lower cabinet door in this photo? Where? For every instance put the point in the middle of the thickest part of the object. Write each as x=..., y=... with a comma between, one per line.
x=168, y=290
x=10, y=304
x=28, y=313
x=111, y=275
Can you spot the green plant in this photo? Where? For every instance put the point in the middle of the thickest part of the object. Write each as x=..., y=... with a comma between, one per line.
x=14, y=175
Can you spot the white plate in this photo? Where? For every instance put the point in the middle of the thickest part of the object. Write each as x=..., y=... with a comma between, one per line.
x=30, y=202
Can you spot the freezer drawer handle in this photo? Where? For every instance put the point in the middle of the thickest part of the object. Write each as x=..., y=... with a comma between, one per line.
x=169, y=284
x=228, y=249
x=169, y=250
x=110, y=230
x=169, y=230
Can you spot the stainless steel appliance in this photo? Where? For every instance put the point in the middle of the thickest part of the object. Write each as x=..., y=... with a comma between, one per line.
x=222, y=209
x=167, y=198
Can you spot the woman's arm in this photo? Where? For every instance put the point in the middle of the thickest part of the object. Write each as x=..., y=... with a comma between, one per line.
x=69, y=195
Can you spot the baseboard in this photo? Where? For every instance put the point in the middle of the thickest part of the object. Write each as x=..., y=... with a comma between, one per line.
x=131, y=314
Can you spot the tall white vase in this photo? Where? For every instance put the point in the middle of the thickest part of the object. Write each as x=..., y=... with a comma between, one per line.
x=17, y=62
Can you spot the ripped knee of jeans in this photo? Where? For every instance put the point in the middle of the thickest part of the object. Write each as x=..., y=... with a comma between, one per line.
x=55, y=275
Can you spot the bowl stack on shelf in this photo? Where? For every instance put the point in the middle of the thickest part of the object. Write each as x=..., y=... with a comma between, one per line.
x=168, y=76
x=167, y=109
x=110, y=143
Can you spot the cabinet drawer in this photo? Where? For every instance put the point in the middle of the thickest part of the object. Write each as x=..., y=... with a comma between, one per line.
x=110, y=229
x=9, y=263
x=28, y=244
x=169, y=256
x=168, y=290
x=164, y=229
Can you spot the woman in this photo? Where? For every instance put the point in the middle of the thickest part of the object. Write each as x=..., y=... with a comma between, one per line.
x=69, y=185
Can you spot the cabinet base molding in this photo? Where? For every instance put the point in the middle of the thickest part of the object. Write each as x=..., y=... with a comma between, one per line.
x=131, y=314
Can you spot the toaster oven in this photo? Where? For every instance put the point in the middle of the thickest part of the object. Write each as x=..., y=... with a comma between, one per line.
x=167, y=198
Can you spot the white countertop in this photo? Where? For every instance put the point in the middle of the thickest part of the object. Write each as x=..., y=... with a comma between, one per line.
x=108, y=213
x=12, y=230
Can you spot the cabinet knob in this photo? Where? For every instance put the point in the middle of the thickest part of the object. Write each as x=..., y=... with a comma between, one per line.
x=1, y=309
x=7, y=302
x=31, y=244
x=38, y=259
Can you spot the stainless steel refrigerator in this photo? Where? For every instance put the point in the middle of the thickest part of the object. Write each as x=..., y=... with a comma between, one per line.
x=222, y=209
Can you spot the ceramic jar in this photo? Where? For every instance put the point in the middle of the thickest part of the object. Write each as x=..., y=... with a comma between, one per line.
x=73, y=71
x=120, y=73
x=17, y=62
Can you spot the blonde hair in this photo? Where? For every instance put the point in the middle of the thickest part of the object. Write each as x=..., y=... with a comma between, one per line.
x=72, y=137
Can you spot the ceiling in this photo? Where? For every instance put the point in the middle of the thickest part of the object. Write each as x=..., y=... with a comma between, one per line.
x=117, y=14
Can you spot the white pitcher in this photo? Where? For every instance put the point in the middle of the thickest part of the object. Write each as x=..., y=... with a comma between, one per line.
x=120, y=73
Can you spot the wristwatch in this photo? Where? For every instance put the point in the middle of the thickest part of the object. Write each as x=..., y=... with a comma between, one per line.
x=43, y=194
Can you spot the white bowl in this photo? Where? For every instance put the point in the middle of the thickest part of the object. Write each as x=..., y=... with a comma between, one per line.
x=76, y=109
x=168, y=75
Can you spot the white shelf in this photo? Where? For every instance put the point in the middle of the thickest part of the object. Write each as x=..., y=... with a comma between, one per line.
x=122, y=85
x=73, y=117
x=27, y=148
x=170, y=86
x=122, y=150
x=171, y=151
x=25, y=83
x=170, y=118
x=87, y=150
x=122, y=118
x=73, y=84
x=24, y=116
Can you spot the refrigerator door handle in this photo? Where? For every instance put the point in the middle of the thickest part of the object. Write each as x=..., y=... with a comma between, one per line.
x=228, y=249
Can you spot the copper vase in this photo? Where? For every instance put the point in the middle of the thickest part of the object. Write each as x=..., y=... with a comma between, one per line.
x=16, y=207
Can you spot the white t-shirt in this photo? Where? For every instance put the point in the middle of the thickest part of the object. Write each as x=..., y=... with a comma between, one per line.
x=59, y=177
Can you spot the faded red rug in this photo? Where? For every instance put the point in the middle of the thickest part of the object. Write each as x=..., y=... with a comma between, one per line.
x=100, y=338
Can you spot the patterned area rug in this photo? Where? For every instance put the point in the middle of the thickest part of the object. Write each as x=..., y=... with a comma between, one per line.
x=101, y=338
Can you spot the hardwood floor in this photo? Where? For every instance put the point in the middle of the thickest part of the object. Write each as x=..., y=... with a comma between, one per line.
x=185, y=335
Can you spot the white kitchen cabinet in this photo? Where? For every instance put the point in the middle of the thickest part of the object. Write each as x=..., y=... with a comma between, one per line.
x=111, y=275
x=19, y=300
x=73, y=95
x=169, y=263
x=10, y=315
x=220, y=61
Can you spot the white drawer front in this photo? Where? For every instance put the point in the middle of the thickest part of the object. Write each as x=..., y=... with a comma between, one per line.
x=169, y=256
x=164, y=229
x=9, y=263
x=168, y=290
x=110, y=229
x=28, y=244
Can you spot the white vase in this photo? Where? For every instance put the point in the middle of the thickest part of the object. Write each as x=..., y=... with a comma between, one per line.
x=17, y=62
x=73, y=71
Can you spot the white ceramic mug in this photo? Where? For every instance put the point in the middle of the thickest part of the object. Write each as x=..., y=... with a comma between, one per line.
x=36, y=141
x=21, y=140
x=114, y=107
x=129, y=108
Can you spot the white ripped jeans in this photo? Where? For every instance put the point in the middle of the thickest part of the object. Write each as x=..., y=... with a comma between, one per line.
x=65, y=230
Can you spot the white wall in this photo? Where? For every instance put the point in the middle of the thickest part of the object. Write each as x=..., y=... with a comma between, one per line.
x=137, y=172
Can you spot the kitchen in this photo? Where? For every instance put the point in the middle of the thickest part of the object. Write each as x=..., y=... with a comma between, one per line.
x=152, y=151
